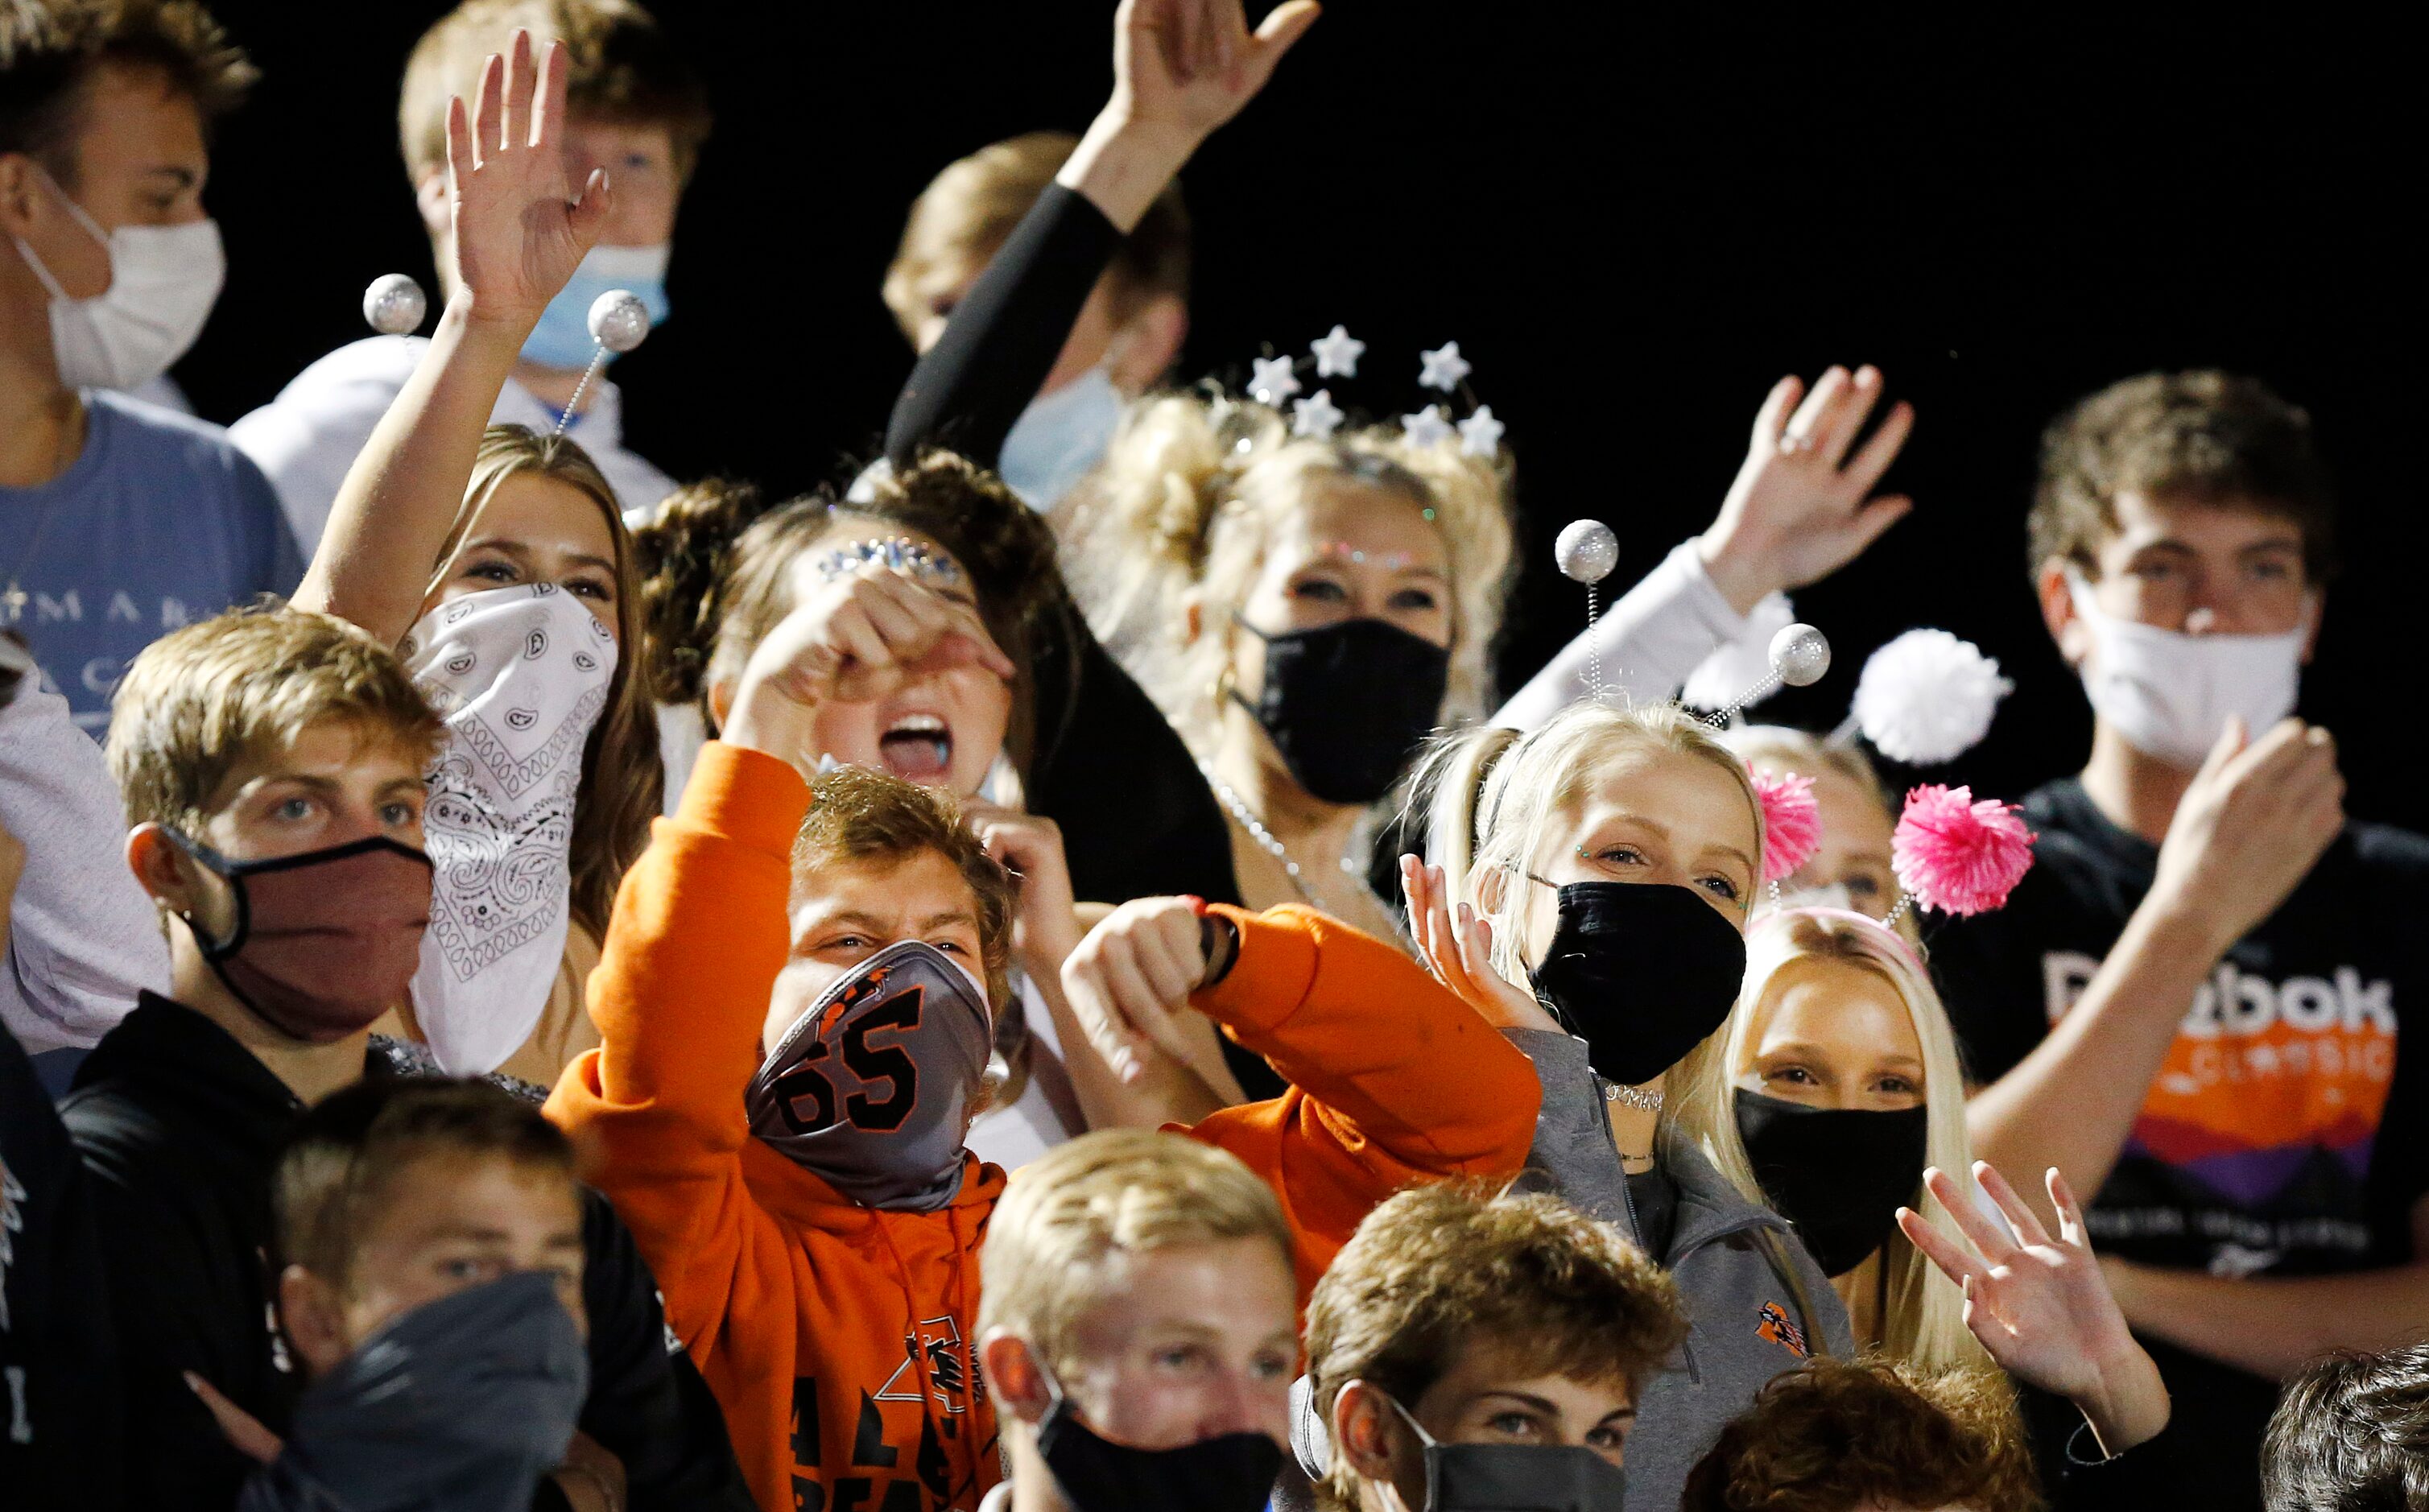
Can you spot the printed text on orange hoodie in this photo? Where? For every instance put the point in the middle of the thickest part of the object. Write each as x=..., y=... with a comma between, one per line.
x=837, y=1336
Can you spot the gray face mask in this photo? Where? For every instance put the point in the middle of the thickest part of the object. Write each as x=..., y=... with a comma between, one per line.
x=870, y=1089
x=463, y=1403
x=1516, y=1477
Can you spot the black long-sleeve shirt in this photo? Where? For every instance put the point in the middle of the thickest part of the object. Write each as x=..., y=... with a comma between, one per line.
x=1137, y=818
x=180, y=1127
x=61, y=1426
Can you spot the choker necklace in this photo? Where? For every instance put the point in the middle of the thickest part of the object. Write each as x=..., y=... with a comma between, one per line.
x=1639, y=1098
x=1248, y=819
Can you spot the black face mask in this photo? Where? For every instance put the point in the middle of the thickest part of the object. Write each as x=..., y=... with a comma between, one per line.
x=1234, y=1472
x=1642, y=971
x=1516, y=1477
x=1347, y=703
x=1839, y=1174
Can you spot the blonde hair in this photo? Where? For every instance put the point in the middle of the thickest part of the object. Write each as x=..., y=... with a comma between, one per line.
x=624, y=781
x=967, y=211
x=623, y=69
x=1496, y=799
x=1924, y=1322
x=1439, y=1267
x=1190, y=494
x=200, y=701
x=1076, y=1211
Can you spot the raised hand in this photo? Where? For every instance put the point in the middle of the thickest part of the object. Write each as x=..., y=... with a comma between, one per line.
x=1190, y=65
x=2040, y=1304
x=1801, y=506
x=1129, y=981
x=1460, y=952
x=853, y=640
x=1031, y=847
x=518, y=232
x=2255, y=820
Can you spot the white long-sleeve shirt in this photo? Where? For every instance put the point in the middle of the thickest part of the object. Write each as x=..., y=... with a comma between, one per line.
x=83, y=938
x=308, y=437
x=1657, y=634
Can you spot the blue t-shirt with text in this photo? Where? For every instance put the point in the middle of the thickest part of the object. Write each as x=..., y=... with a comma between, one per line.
x=158, y=523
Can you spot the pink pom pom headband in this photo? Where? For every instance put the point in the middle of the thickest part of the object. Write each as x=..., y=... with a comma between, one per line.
x=1956, y=855
x=1791, y=822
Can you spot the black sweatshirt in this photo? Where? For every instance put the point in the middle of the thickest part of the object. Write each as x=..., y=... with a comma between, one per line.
x=1137, y=818
x=181, y=1128
x=60, y=1428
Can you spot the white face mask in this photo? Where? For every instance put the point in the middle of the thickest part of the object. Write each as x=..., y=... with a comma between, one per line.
x=521, y=676
x=2170, y=693
x=1060, y=438
x=163, y=280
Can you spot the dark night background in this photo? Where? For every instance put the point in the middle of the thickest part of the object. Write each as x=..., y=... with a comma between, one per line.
x=1632, y=224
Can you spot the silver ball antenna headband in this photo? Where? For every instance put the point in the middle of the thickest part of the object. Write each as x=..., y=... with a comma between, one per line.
x=1587, y=551
x=619, y=321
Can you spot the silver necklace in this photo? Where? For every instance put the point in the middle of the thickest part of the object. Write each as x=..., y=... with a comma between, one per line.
x=1249, y=820
x=1641, y=1099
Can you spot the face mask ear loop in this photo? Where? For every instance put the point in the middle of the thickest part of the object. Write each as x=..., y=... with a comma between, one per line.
x=83, y=219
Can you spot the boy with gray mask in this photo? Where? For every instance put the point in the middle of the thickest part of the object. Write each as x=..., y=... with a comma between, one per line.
x=429, y=1282
x=2193, y=1007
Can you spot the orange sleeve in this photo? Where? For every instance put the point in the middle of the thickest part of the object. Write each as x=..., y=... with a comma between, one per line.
x=1394, y=1080
x=680, y=996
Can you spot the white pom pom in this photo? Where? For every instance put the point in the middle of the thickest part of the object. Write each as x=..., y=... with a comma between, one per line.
x=1743, y=662
x=1927, y=697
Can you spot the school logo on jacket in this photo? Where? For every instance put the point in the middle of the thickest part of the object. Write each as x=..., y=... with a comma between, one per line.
x=1772, y=1322
x=935, y=1355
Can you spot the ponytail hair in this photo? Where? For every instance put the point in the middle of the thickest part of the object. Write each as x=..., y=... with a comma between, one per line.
x=1191, y=493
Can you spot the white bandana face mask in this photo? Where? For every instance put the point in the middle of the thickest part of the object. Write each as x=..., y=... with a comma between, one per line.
x=163, y=280
x=2170, y=693
x=521, y=676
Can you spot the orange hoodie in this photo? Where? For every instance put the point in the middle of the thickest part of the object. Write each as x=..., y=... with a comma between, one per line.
x=836, y=1336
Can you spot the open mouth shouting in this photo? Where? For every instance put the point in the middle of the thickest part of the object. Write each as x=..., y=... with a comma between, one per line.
x=917, y=747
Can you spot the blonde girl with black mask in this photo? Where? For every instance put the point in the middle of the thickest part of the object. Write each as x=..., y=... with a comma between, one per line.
x=1589, y=893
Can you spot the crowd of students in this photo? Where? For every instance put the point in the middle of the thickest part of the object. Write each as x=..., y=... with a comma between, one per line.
x=1045, y=979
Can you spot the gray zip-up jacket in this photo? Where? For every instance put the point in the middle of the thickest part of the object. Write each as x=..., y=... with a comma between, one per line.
x=1744, y=1320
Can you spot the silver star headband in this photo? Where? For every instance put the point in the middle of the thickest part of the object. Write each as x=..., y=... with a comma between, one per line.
x=1275, y=381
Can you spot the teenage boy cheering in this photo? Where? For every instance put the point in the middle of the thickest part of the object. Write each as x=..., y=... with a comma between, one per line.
x=118, y=521
x=636, y=112
x=2194, y=1005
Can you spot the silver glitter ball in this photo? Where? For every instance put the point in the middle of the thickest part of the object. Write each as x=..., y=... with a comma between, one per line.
x=1587, y=551
x=1800, y=655
x=618, y=319
x=394, y=305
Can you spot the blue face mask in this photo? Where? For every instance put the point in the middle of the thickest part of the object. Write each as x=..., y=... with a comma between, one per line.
x=562, y=338
x=1060, y=438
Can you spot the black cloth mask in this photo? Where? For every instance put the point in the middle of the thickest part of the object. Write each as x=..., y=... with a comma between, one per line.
x=460, y=1405
x=1232, y=1473
x=1642, y=971
x=1839, y=1174
x=1347, y=703
x=1516, y=1477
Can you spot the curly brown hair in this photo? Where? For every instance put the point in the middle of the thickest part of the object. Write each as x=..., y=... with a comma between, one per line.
x=1441, y=1268
x=1833, y=1436
x=2351, y=1434
x=717, y=567
x=2204, y=435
